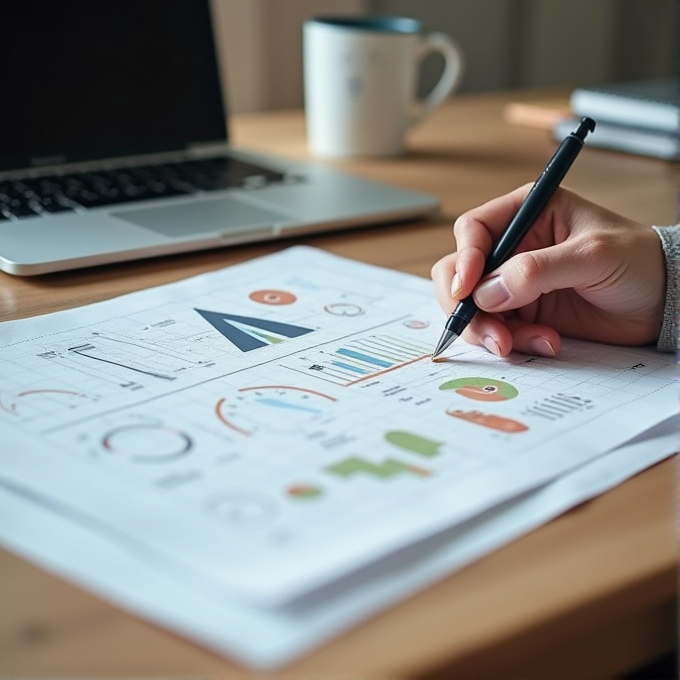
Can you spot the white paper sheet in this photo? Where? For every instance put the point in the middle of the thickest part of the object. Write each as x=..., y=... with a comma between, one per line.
x=61, y=541
x=270, y=428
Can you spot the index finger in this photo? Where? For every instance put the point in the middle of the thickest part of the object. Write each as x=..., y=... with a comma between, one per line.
x=475, y=233
x=481, y=227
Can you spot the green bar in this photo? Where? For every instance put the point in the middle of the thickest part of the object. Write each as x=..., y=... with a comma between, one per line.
x=414, y=443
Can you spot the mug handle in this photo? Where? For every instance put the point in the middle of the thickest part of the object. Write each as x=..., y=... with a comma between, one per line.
x=450, y=77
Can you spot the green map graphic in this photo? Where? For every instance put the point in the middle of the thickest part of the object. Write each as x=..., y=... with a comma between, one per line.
x=385, y=470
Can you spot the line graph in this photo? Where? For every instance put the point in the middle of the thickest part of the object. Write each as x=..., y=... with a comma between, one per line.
x=89, y=351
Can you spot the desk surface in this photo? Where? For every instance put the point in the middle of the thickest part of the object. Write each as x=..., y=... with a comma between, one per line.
x=587, y=595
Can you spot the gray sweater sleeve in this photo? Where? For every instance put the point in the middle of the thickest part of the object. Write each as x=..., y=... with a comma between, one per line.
x=670, y=242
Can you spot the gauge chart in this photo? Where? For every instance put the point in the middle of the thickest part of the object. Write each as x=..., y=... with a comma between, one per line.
x=38, y=402
x=281, y=409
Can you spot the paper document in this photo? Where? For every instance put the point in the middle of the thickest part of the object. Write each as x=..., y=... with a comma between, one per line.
x=69, y=545
x=265, y=430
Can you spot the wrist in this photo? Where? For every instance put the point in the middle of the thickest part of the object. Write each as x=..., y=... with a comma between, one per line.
x=670, y=243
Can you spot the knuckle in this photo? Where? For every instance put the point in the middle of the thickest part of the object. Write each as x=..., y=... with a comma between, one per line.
x=595, y=248
x=460, y=225
x=528, y=268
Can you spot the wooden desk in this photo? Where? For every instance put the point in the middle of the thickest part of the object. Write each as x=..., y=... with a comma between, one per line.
x=587, y=595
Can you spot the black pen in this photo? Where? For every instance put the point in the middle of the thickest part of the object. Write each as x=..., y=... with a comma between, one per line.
x=544, y=187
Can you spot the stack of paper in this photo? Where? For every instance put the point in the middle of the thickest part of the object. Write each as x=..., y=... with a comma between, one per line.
x=221, y=441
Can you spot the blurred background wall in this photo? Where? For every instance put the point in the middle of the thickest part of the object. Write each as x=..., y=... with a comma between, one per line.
x=508, y=44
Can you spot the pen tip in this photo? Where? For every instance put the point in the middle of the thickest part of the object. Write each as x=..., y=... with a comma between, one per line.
x=443, y=343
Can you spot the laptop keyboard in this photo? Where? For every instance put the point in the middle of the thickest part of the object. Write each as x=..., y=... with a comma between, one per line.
x=77, y=191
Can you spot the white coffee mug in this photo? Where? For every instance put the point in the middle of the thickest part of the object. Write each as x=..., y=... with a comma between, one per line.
x=360, y=78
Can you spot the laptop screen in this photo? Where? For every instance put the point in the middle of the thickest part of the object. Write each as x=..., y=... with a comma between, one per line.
x=88, y=79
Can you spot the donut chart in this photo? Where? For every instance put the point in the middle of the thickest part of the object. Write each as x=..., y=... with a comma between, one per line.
x=147, y=443
x=481, y=389
x=273, y=297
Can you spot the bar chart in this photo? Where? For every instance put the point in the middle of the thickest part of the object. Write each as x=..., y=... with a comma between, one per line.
x=367, y=357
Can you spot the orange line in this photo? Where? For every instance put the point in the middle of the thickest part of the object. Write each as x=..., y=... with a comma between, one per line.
x=387, y=370
x=287, y=387
x=422, y=472
x=218, y=413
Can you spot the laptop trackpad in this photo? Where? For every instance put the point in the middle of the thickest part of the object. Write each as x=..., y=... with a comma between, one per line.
x=216, y=215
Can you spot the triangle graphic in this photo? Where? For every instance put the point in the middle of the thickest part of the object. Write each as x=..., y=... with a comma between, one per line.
x=248, y=333
x=268, y=337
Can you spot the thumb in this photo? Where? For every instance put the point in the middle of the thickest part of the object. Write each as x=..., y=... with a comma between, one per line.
x=528, y=275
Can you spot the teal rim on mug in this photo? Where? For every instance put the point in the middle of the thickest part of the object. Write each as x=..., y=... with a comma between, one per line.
x=372, y=23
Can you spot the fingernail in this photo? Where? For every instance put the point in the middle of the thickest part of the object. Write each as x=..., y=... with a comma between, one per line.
x=455, y=285
x=491, y=345
x=491, y=293
x=541, y=346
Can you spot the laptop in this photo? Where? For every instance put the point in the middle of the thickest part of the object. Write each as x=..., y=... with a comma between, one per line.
x=114, y=144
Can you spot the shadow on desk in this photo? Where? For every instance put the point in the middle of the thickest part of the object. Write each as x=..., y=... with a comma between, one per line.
x=663, y=668
x=474, y=157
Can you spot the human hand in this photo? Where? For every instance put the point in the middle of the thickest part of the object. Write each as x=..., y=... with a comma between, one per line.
x=581, y=271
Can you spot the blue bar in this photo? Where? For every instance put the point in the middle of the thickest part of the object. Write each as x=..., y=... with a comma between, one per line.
x=354, y=369
x=365, y=357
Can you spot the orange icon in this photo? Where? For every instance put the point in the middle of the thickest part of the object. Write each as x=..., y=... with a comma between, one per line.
x=272, y=297
x=491, y=420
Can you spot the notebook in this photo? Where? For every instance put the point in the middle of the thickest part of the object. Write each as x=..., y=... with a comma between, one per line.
x=648, y=104
x=114, y=144
x=636, y=140
x=640, y=117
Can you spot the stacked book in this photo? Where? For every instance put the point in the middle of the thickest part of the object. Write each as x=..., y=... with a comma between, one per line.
x=640, y=117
